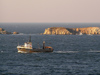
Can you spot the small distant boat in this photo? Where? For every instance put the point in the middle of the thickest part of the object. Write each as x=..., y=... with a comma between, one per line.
x=27, y=48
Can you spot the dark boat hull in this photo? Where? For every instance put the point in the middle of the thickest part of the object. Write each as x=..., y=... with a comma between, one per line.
x=23, y=50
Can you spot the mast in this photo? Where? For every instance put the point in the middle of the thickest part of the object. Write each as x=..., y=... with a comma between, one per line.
x=43, y=44
x=29, y=38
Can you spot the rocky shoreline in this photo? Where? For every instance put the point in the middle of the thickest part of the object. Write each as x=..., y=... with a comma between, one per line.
x=72, y=31
x=3, y=31
x=63, y=31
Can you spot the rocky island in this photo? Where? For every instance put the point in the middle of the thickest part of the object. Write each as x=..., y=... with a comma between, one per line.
x=72, y=31
x=3, y=31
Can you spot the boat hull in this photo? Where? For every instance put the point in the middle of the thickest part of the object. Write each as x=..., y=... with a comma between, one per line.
x=23, y=50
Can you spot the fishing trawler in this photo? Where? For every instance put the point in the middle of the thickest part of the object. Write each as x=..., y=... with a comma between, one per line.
x=27, y=48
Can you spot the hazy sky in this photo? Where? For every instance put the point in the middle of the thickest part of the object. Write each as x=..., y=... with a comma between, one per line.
x=50, y=11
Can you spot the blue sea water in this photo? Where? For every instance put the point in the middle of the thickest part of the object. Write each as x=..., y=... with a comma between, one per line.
x=73, y=54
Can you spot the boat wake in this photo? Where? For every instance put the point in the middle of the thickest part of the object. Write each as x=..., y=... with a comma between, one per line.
x=95, y=51
x=66, y=51
x=92, y=51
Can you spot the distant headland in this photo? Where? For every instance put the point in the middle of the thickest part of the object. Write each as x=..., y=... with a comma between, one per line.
x=72, y=31
x=3, y=31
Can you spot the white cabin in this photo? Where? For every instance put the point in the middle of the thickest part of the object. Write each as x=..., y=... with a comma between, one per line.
x=28, y=45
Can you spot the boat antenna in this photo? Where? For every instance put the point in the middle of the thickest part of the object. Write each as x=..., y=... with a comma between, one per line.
x=29, y=38
x=18, y=43
x=38, y=46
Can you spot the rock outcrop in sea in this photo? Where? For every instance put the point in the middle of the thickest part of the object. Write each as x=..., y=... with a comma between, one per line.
x=3, y=31
x=72, y=31
x=15, y=32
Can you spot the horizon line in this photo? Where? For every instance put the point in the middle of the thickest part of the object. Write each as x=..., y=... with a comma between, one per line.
x=50, y=22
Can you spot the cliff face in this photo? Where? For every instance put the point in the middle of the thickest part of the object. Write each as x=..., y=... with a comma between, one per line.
x=89, y=30
x=69, y=31
x=56, y=31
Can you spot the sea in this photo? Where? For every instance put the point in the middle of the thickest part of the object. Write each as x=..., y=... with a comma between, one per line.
x=72, y=55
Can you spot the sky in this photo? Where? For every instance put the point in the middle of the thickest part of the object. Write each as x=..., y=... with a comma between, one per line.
x=49, y=11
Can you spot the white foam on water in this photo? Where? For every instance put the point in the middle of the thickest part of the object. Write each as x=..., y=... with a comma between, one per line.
x=21, y=34
x=21, y=52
